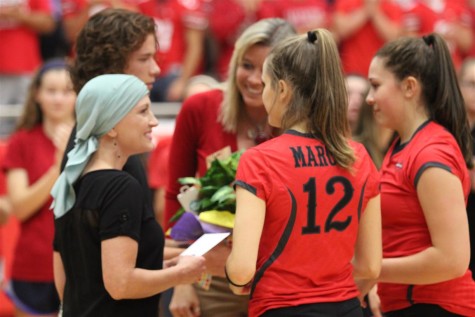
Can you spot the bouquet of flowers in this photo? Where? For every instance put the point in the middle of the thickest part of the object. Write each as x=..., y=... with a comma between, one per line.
x=209, y=202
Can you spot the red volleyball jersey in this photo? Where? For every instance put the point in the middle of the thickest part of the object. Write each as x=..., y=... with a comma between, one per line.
x=313, y=208
x=405, y=230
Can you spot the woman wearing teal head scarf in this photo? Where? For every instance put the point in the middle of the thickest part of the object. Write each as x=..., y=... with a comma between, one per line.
x=109, y=248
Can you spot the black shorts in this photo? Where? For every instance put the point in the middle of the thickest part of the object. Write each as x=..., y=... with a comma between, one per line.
x=348, y=308
x=417, y=310
x=34, y=297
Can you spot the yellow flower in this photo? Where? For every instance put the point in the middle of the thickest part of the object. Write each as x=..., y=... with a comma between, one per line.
x=218, y=217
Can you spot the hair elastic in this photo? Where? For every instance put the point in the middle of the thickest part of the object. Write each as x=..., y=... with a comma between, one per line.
x=428, y=39
x=231, y=282
x=311, y=36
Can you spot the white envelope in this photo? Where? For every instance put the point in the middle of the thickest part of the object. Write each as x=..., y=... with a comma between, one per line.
x=205, y=243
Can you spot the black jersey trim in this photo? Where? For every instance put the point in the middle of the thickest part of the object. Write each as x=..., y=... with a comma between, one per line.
x=280, y=245
x=305, y=135
x=399, y=147
x=246, y=186
x=426, y=166
x=360, y=203
x=410, y=290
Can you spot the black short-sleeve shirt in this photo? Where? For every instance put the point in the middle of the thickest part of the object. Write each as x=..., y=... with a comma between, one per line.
x=109, y=203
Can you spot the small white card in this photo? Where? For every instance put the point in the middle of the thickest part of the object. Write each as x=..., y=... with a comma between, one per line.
x=205, y=243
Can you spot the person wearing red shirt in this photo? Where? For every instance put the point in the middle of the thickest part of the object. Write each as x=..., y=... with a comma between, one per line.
x=467, y=86
x=158, y=174
x=6, y=236
x=75, y=13
x=157, y=163
x=362, y=27
x=454, y=22
x=181, y=28
x=32, y=164
x=227, y=20
x=424, y=180
x=471, y=5
x=308, y=219
x=21, y=21
x=304, y=15
x=233, y=116
x=417, y=18
x=5, y=207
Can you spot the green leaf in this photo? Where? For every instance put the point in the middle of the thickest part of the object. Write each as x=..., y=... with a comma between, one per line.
x=229, y=199
x=206, y=204
x=228, y=172
x=207, y=191
x=222, y=194
x=216, y=191
x=189, y=181
x=220, y=180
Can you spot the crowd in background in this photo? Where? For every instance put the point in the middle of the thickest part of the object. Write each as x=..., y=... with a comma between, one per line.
x=196, y=41
x=197, y=36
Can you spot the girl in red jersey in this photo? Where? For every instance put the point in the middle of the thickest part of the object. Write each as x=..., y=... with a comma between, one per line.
x=424, y=180
x=232, y=115
x=467, y=86
x=32, y=163
x=308, y=217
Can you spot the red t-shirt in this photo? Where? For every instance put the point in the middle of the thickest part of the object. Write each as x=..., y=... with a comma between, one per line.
x=417, y=18
x=34, y=152
x=304, y=15
x=8, y=236
x=70, y=8
x=357, y=50
x=227, y=20
x=3, y=188
x=197, y=135
x=172, y=18
x=472, y=51
x=158, y=163
x=19, y=46
x=405, y=229
x=449, y=12
x=313, y=208
x=3, y=181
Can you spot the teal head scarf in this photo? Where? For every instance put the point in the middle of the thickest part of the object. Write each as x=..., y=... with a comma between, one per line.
x=100, y=105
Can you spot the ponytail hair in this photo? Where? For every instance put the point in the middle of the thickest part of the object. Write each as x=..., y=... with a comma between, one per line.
x=428, y=60
x=310, y=64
